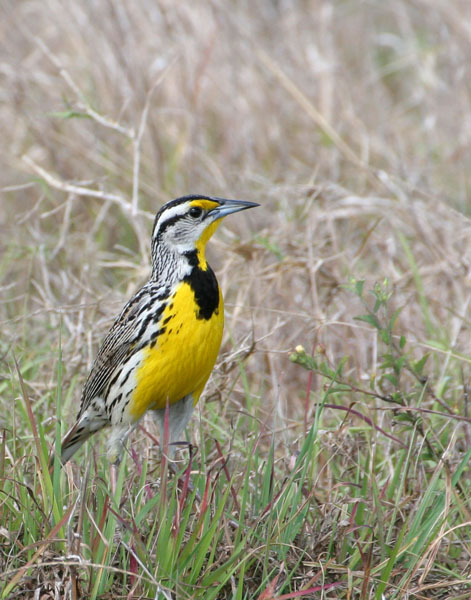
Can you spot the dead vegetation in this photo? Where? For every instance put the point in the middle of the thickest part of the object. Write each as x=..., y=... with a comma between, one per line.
x=349, y=122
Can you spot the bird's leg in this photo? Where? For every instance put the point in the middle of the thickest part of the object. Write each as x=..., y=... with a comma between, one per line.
x=179, y=415
x=116, y=441
x=114, y=477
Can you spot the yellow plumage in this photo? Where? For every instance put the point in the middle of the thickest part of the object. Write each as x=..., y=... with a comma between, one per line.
x=182, y=361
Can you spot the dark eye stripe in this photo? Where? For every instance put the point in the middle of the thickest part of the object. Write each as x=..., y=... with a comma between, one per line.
x=163, y=226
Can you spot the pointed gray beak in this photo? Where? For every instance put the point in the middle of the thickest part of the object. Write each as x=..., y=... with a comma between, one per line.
x=227, y=207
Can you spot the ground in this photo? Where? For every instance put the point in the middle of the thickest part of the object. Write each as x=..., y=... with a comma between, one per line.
x=330, y=451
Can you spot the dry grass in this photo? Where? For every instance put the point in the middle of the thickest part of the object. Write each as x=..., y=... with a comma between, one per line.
x=349, y=122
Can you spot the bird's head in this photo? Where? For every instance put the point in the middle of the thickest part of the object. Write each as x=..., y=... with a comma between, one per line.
x=184, y=226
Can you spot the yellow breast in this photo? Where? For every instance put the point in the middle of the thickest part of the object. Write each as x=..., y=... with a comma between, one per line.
x=181, y=361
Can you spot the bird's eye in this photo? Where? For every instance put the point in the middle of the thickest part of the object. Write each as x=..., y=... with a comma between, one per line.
x=195, y=212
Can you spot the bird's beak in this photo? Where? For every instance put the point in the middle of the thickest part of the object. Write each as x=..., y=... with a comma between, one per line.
x=227, y=207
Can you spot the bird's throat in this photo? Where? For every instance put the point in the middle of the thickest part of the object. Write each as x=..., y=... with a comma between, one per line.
x=201, y=244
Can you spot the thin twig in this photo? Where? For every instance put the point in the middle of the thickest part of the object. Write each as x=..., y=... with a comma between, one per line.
x=84, y=104
x=324, y=125
x=74, y=189
x=138, y=138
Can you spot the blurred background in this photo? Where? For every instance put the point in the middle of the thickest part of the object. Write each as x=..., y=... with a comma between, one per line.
x=348, y=121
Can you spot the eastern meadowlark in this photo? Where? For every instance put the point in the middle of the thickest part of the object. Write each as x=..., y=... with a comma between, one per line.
x=162, y=347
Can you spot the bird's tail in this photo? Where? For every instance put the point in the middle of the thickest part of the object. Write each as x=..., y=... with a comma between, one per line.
x=72, y=441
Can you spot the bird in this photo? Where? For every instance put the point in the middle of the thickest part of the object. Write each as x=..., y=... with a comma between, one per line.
x=162, y=347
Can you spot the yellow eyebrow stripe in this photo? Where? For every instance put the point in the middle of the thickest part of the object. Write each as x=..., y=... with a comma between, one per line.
x=204, y=204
